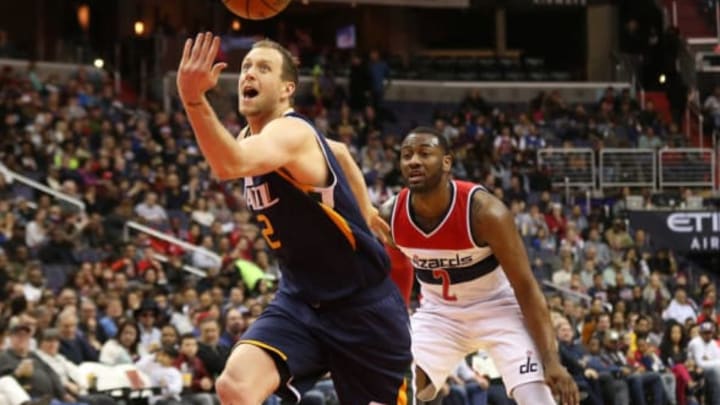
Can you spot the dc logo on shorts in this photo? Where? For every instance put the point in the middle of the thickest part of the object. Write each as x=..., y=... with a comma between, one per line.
x=528, y=366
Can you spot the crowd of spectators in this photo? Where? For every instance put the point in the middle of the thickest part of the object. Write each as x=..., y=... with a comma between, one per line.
x=635, y=324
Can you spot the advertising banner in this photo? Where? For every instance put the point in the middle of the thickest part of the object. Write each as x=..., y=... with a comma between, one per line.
x=682, y=231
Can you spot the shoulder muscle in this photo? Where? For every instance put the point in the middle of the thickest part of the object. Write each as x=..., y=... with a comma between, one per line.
x=487, y=213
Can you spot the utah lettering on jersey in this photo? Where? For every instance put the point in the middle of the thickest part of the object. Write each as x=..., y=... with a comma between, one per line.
x=257, y=197
x=431, y=263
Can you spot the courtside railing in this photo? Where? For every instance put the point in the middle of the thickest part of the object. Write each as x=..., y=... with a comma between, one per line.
x=14, y=176
x=629, y=167
x=568, y=167
x=568, y=292
x=132, y=225
x=687, y=167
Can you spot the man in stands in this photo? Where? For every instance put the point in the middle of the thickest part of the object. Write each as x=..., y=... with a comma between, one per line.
x=704, y=350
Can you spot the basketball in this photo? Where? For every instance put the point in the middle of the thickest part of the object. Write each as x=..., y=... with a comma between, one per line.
x=256, y=9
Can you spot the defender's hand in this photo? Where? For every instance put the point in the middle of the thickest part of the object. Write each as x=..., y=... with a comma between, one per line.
x=197, y=74
x=562, y=384
x=378, y=226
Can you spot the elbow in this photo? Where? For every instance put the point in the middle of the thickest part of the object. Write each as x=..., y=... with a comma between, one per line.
x=223, y=175
x=227, y=172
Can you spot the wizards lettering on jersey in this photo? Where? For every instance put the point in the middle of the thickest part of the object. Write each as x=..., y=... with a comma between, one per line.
x=457, y=274
x=431, y=263
x=257, y=197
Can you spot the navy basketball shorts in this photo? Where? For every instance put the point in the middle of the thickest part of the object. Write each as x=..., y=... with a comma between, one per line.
x=364, y=344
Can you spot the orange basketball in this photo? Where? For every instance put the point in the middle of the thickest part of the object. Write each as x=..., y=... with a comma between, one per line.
x=256, y=9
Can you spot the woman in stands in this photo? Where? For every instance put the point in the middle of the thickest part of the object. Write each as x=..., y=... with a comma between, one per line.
x=123, y=349
x=674, y=356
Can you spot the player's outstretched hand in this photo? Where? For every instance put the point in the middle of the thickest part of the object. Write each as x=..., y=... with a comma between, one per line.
x=197, y=72
x=562, y=384
x=378, y=226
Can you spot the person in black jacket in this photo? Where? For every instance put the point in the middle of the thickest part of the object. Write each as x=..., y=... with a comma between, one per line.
x=73, y=343
x=211, y=352
x=573, y=357
x=359, y=83
x=33, y=374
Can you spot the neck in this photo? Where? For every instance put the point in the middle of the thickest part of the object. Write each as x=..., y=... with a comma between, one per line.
x=258, y=122
x=22, y=352
x=433, y=203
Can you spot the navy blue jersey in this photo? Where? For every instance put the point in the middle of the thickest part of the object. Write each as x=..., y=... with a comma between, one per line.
x=325, y=249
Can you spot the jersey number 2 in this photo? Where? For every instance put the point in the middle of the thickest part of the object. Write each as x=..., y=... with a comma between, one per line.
x=268, y=232
x=445, y=277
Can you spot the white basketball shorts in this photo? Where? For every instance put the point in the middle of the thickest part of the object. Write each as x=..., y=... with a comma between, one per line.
x=444, y=334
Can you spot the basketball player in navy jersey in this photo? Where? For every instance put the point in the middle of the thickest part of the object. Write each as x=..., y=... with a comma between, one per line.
x=477, y=287
x=336, y=309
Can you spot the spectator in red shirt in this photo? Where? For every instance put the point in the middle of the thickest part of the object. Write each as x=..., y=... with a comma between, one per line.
x=708, y=313
x=556, y=222
x=197, y=383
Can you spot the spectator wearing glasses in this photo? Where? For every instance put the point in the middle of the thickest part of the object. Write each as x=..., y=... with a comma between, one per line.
x=150, y=335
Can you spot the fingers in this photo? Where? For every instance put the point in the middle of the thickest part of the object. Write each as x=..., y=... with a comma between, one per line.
x=212, y=52
x=196, y=48
x=383, y=226
x=381, y=229
x=565, y=389
x=186, y=51
x=570, y=394
x=218, y=67
x=205, y=50
x=381, y=236
x=202, y=50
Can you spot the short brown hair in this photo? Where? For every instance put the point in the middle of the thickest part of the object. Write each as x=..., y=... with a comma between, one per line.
x=289, y=70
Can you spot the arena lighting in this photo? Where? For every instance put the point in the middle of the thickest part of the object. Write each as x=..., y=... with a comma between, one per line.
x=236, y=25
x=83, y=16
x=139, y=28
x=99, y=63
x=661, y=79
x=305, y=2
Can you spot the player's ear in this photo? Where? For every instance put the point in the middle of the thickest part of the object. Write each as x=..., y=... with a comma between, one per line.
x=289, y=89
x=447, y=163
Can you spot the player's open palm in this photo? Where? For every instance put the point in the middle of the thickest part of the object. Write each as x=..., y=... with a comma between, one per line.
x=562, y=384
x=197, y=72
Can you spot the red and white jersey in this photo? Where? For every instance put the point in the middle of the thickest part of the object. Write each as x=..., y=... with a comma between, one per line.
x=450, y=266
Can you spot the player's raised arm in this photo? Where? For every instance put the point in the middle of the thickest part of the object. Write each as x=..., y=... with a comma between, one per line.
x=491, y=215
x=281, y=139
x=280, y=142
x=196, y=75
